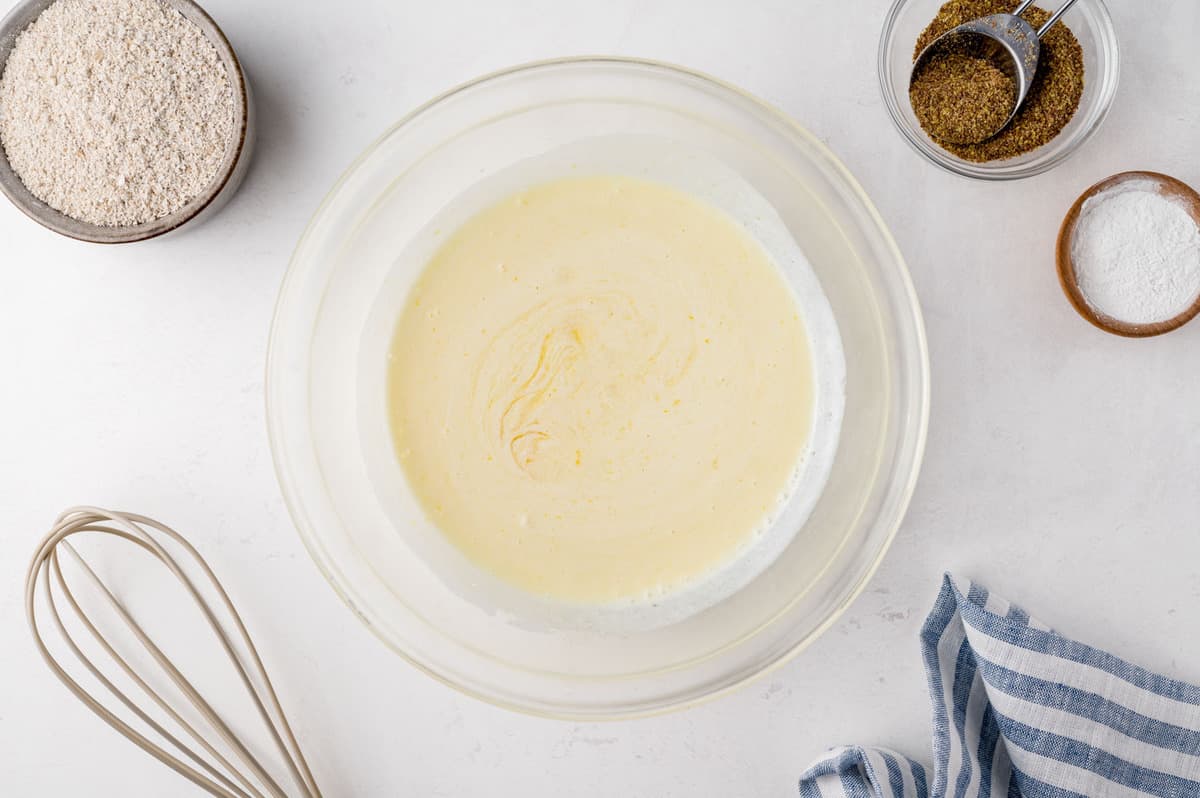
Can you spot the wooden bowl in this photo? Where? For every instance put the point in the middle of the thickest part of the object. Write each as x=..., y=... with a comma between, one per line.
x=224, y=185
x=1168, y=187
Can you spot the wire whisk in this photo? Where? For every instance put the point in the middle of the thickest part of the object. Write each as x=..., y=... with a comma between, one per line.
x=207, y=752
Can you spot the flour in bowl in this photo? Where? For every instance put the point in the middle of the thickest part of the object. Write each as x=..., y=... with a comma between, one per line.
x=115, y=112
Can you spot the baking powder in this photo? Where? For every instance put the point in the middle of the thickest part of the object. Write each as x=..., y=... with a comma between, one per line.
x=1137, y=254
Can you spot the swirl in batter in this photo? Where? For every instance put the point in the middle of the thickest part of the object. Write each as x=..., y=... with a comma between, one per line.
x=600, y=389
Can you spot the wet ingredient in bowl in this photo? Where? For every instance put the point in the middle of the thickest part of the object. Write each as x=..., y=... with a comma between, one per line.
x=601, y=389
x=1136, y=254
x=115, y=112
x=1053, y=98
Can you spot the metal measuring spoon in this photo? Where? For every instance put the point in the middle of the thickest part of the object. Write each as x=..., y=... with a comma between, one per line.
x=1006, y=40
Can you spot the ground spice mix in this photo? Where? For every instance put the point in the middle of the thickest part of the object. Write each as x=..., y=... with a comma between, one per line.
x=1053, y=98
x=958, y=97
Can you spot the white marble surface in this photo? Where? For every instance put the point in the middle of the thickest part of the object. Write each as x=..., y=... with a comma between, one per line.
x=1062, y=469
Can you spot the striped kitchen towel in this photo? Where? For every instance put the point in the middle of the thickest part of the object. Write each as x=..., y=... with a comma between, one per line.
x=1021, y=711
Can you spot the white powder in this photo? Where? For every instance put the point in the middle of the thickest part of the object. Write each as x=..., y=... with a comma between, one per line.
x=115, y=112
x=1137, y=254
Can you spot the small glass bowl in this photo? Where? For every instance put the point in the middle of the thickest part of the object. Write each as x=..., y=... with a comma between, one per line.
x=1091, y=24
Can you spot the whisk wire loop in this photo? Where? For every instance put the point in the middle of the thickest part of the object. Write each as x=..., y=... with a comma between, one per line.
x=217, y=774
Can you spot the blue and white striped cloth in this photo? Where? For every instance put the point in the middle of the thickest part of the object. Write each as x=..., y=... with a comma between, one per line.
x=1019, y=711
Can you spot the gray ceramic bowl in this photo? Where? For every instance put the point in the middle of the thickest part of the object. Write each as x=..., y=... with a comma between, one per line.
x=233, y=168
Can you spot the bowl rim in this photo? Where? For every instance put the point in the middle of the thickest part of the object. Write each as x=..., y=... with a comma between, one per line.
x=24, y=14
x=898, y=498
x=997, y=172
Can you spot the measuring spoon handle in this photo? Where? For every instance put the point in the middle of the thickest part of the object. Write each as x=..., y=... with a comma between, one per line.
x=1054, y=18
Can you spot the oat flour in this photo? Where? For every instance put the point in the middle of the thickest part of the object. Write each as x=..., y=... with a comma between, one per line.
x=115, y=112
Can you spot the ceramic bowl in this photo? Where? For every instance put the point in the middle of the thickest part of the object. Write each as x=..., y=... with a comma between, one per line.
x=229, y=177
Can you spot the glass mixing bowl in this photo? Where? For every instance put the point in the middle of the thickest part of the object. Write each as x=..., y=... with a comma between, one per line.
x=333, y=453
x=1092, y=26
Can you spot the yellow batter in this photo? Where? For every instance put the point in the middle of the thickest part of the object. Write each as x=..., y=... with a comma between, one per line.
x=600, y=388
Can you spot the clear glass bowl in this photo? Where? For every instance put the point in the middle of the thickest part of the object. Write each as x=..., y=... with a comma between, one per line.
x=1088, y=20
x=324, y=391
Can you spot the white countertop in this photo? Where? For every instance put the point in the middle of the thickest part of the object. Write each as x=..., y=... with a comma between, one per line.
x=1063, y=466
